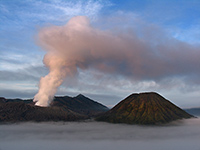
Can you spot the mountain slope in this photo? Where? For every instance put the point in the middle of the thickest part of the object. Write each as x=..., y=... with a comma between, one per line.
x=20, y=111
x=80, y=104
x=144, y=108
x=62, y=109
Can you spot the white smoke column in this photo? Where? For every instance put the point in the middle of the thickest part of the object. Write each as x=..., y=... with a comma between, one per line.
x=68, y=47
x=50, y=83
x=59, y=64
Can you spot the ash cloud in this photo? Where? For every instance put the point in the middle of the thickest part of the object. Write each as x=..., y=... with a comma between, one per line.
x=79, y=46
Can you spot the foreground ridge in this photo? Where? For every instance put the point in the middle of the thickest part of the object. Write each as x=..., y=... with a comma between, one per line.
x=63, y=108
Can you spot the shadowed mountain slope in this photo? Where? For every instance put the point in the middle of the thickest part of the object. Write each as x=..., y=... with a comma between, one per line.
x=144, y=108
x=62, y=109
x=80, y=104
x=20, y=111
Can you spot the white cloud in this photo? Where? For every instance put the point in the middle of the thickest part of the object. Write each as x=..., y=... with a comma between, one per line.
x=12, y=61
x=61, y=11
x=190, y=35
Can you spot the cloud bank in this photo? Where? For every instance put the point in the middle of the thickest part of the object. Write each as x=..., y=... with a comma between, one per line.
x=182, y=135
x=79, y=46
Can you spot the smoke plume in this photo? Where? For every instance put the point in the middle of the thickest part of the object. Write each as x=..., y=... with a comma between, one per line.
x=77, y=45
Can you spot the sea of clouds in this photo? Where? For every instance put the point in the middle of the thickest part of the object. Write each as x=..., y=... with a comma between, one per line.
x=91, y=135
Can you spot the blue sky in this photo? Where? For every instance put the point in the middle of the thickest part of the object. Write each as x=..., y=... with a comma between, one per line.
x=156, y=22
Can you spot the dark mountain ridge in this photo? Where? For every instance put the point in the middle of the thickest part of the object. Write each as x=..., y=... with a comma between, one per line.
x=62, y=109
x=80, y=104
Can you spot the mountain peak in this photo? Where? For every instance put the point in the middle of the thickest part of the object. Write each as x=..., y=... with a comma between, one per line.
x=80, y=95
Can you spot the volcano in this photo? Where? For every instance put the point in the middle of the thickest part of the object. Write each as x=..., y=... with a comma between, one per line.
x=63, y=108
x=144, y=108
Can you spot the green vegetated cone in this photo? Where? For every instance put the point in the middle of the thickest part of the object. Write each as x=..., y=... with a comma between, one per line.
x=144, y=108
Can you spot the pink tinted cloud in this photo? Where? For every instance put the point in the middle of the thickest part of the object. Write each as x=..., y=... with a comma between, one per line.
x=78, y=45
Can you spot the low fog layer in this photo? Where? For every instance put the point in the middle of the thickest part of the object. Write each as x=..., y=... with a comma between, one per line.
x=182, y=135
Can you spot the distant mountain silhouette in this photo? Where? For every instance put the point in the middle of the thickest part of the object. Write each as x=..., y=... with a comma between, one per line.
x=80, y=104
x=144, y=108
x=193, y=111
x=62, y=109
